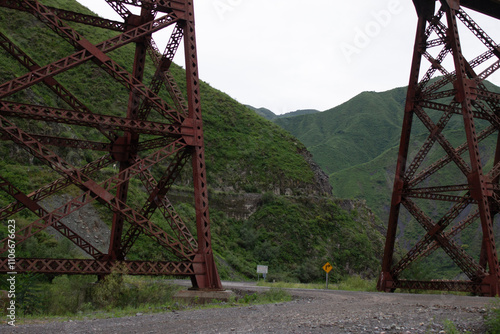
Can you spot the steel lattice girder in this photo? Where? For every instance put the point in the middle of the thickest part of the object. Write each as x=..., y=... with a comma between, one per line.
x=172, y=142
x=100, y=267
x=451, y=94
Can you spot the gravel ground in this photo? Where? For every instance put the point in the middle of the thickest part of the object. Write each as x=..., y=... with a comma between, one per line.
x=312, y=311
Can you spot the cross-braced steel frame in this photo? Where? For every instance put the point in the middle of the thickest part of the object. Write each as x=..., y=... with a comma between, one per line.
x=139, y=145
x=446, y=184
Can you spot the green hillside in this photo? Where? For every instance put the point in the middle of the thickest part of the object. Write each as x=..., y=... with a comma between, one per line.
x=350, y=134
x=269, y=206
x=357, y=143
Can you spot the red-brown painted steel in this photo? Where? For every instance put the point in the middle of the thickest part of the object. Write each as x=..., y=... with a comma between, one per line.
x=449, y=88
x=132, y=141
x=204, y=254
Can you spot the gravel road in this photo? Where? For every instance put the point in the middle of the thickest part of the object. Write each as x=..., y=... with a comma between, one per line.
x=311, y=311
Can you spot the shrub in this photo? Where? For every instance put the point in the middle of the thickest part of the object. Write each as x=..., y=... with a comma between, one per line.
x=276, y=295
x=449, y=327
x=67, y=295
x=357, y=283
x=108, y=292
x=493, y=318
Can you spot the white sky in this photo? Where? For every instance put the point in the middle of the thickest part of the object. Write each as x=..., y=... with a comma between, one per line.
x=286, y=55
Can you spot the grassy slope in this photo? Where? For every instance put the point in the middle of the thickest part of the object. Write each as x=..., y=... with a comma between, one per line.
x=242, y=148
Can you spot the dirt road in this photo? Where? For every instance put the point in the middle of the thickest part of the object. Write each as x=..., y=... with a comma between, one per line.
x=312, y=311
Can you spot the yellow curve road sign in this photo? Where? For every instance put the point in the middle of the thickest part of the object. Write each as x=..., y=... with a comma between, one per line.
x=327, y=267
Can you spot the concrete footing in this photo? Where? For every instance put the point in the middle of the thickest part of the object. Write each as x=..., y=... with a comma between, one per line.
x=203, y=296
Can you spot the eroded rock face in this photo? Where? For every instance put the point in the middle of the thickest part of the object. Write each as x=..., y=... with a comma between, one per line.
x=322, y=179
x=85, y=222
x=240, y=206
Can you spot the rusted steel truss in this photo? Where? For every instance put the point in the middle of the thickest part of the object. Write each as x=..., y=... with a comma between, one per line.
x=151, y=141
x=452, y=118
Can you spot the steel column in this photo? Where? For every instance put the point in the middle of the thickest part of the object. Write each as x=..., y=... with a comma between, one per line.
x=211, y=280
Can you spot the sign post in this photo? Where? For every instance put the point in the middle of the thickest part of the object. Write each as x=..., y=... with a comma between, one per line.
x=327, y=268
x=261, y=270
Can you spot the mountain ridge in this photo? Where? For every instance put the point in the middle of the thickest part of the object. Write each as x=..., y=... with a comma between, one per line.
x=336, y=137
x=269, y=115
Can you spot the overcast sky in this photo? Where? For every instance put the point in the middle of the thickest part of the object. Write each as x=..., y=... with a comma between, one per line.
x=286, y=55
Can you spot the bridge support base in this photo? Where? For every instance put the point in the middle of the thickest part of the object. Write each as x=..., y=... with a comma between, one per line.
x=204, y=296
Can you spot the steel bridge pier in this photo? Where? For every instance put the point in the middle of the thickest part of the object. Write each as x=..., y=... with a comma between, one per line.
x=450, y=132
x=158, y=133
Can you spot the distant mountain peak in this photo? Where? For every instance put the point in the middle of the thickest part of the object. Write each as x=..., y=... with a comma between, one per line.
x=268, y=114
